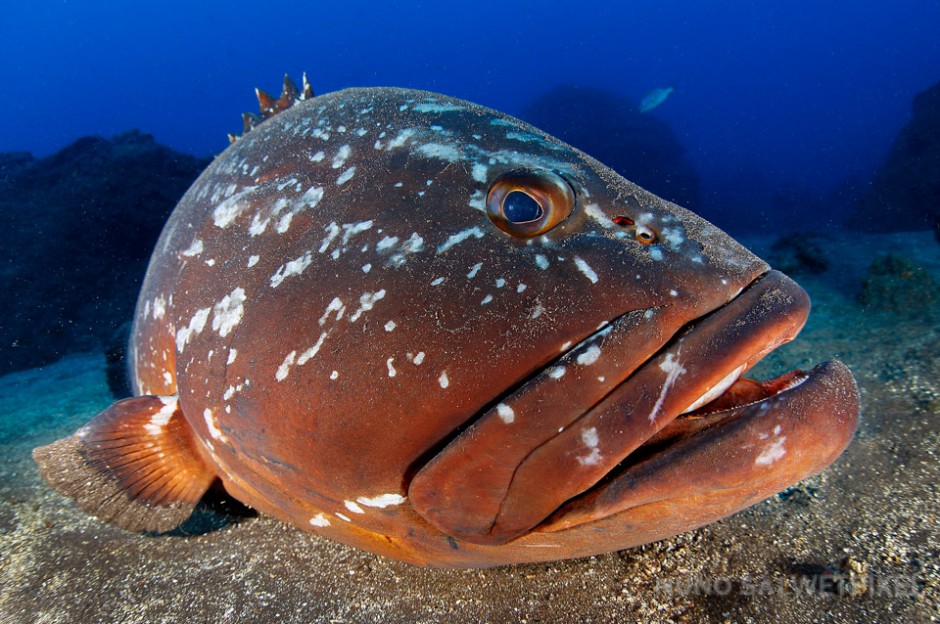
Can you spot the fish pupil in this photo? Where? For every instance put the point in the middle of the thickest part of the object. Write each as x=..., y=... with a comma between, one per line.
x=519, y=207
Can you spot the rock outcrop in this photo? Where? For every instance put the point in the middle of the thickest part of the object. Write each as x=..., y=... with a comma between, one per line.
x=77, y=229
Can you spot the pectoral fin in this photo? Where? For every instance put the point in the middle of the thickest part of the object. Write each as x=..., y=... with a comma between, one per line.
x=134, y=465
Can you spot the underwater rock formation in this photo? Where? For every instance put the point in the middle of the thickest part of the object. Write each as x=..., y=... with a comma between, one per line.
x=78, y=228
x=612, y=129
x=905, y=193
x=899, y=285
x=800, y=253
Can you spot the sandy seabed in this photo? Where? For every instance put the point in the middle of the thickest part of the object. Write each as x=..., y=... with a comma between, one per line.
x=858, y=543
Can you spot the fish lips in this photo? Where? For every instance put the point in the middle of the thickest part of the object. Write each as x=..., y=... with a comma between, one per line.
x=622, y=421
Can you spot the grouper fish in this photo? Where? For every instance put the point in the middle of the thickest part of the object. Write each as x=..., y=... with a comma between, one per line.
x=429, y=330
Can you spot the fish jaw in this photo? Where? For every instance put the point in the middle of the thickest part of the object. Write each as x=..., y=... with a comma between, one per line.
x=704, y=467
x=488, y=487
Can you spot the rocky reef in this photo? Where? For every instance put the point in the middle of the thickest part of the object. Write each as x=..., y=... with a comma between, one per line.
x=78, y=228
x=611, y=128
x=905, y=192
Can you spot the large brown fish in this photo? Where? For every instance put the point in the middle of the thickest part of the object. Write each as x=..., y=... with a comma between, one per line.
x=424, y=328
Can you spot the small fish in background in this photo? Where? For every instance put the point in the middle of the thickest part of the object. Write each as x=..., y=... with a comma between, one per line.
x=654, y=98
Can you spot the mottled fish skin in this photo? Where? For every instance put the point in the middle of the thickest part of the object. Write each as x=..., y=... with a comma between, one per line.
x=331, y=303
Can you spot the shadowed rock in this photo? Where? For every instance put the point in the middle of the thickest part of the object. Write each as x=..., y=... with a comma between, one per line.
x=905, y=193
x=78, y=228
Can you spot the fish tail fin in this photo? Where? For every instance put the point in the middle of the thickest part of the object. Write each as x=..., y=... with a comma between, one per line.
x=134, y=465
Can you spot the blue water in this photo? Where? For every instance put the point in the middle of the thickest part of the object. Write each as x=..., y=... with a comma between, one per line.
x=793, y=96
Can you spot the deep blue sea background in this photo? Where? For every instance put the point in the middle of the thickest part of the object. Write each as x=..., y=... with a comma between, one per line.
x=771, y=98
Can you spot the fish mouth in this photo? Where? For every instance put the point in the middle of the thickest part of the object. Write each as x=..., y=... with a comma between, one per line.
x=675, y=421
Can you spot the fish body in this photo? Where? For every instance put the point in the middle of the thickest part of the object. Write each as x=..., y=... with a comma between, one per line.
x=654, y=98
x=427, y=329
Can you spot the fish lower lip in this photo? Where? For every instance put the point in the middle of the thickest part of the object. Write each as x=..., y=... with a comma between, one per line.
x=709, y=464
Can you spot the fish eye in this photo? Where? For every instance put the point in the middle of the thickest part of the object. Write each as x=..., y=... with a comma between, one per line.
x=529, y=202
x=519, y=207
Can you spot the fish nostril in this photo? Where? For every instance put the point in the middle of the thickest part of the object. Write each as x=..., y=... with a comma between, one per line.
x=645, y=235
x=623, y=221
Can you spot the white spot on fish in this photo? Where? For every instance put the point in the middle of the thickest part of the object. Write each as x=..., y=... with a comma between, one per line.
x=414, y=244
x=307, y=355
x=366, y=267
x=332, y=231
x=334, y=306
x=500, y=283
x=590, y=356
x=342, y=517
x=460, y=237
x=673, y=293
x=390, y=326
x=541, y=261
x=340, y=159
x=159, y=308
x=594, y=211
x=231, y=356
x=537, y=311
x=386, y=243
x=353, y=507
x=443, y=380
x=437, y=281
x=585, y=268
x=351, y=229
x=506, y=413
x=226, y=212
x=419, y=358
x=162, y=418
x=521, y=288
x=590, y=439
x=196, y=325
x=474, y=270
x=319, y=520
x=284, y=369
x=253, y=260
x=479, y=172
x=557, y=372
x=310, y=199
x=334, y=375
x=434, y=107
x=477, y=201
x=317, y=157
x=382, y=500
x=401, y=139
x=656, y=253
x=228, y=312
x=346, y=176
x=486, y=299
x=391, y=368
x=366, y=302
x=212, y=424
x=195, y=249
x=670, y=365
x=772, y=452
x=294, y=267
